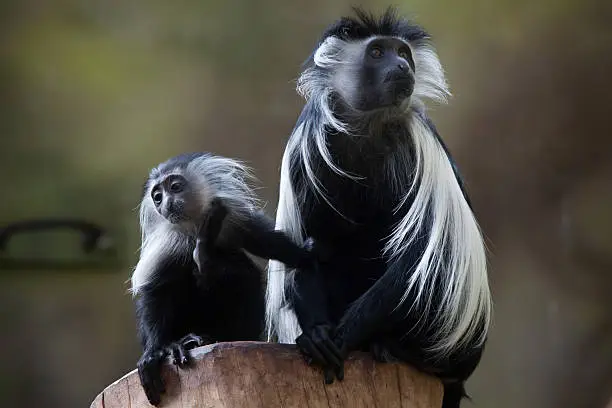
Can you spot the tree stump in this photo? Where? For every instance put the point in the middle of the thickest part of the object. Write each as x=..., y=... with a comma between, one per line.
x=269, y=375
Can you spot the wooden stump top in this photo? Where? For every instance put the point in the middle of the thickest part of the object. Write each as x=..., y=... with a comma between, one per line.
x=270, y=375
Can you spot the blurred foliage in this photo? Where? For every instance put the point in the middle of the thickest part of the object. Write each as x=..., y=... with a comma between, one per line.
x=94, y=93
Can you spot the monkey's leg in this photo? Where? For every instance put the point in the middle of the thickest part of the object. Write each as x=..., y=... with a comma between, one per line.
x=391, y=350
x=379, y=309
x=382, y=353
x=156, y=310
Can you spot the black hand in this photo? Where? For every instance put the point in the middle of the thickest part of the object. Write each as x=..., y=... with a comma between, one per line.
x=179, y=350
x=319, y=348
x=213, y=221
x=208, y=232
x=149, y=371
x=316, y=251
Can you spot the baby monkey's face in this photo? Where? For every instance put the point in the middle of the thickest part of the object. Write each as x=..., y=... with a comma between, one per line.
x=175, y=199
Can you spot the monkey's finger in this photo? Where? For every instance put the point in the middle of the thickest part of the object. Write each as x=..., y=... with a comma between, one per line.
x=155, y=374
x=329, y=356
x=156, y=368
x=329, y=375
x=334, y=349
x=183, y=356
x=150, y=385
x=192, y=341
x=322, y=338
x=174, y=354
x=340, y=373
x=304, y=353
x=308, y=347
x=152, y=395
x=340, y=350
x=179, y=355
x=327, y=348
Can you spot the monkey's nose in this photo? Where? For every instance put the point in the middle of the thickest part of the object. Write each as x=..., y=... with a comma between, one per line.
x=403, y=66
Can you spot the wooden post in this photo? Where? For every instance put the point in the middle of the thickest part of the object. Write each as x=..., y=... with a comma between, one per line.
x=269, y=375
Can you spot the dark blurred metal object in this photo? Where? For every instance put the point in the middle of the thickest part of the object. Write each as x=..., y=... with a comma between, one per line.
x=95, y=242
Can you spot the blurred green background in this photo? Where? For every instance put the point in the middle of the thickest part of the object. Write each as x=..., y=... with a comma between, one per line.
x=93, y=93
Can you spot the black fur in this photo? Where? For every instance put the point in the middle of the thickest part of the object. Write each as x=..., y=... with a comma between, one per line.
x=365, y=24
x=185, y=306
x=350, y=303
x=224, y=303
x=355, y=291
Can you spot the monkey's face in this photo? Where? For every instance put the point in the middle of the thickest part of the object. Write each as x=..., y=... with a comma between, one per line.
x=174, y=199
x=381, y=75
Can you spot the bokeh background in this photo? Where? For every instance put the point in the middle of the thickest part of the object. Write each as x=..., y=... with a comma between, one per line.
x=95, y=92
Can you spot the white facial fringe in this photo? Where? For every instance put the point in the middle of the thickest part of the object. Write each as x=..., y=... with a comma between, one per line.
x=465, y=310
x=213, y=176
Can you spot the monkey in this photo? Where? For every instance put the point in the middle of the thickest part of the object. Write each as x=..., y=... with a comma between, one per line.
x=366, y=175
x=194, y=283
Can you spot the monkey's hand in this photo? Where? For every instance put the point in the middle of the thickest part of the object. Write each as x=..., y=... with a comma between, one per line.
x=319, y=347
x=179, y=350
x=149, y=371
x=316, y=252
x=150, y=364
x=213, y=221
x=208, y=232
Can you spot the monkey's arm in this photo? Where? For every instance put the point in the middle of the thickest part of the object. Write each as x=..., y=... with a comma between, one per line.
x=329, y=348
x=371, y=311
x=256, y=234
x=157, y=311
x=375, y=313
x=154, y=331
x=309, y=301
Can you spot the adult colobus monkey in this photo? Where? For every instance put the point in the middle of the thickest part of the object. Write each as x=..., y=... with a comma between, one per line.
x=194, y=284
x=367, y=176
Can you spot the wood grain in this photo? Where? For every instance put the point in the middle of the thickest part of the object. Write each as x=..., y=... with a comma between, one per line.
x=269, y=375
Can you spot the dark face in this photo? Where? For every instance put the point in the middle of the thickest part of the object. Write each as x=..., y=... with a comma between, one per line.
x=387, y=74
x=173, y=198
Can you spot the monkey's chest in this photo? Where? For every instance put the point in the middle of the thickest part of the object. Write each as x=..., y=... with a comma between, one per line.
x=356, y=221
x=354, y=231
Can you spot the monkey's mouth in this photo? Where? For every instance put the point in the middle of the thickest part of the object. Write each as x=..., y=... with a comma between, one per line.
x=401, y=95
x=400, y=86
x=399, y=76
x=176, y=218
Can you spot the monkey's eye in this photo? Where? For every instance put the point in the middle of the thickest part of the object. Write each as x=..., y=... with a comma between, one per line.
x=376, y=52
x=176, y=187
x=157, y=196
x=404, y=53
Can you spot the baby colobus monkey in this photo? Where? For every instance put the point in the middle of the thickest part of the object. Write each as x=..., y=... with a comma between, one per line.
x=367, y=176
x=194, y=283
